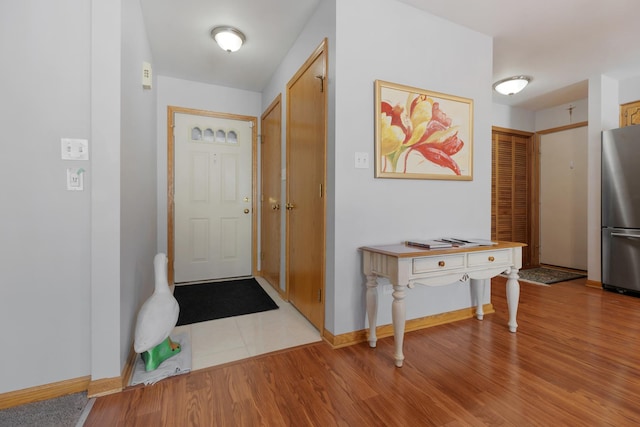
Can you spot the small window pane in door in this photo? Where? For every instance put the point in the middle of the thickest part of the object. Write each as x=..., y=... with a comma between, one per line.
x=208, y=135
x=196, y=134
x=232, y=137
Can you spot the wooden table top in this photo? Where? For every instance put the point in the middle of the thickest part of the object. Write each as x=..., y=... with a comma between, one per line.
x=402, y=250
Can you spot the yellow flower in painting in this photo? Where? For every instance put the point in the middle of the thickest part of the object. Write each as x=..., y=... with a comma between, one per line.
x=417, y=133
x=420, y=109
x=392, y=136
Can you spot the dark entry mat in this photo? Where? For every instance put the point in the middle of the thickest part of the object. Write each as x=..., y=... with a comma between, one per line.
x=217, y=300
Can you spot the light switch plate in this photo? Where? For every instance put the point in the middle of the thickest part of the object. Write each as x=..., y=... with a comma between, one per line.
x=74, y=149
x=361, y=160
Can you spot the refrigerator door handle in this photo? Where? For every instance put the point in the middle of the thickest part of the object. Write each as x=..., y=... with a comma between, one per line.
x=637, y=236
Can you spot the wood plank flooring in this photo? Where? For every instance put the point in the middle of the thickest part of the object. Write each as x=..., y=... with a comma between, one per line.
x=575, y=361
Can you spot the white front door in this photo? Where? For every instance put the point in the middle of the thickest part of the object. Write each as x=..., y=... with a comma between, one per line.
x=563, y=198
x=212, y=196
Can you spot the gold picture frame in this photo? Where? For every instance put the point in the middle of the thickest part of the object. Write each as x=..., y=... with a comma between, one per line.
x=422, y=134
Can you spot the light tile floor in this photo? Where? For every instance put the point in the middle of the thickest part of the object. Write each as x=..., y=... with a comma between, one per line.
x=225, y=340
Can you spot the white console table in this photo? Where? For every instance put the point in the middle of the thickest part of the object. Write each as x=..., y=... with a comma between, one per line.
x=404, y=266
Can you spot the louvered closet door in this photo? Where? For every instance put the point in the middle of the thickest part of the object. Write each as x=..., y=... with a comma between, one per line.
x=511, y=190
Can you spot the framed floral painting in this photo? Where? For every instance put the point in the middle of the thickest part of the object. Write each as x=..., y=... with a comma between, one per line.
x=422, y=134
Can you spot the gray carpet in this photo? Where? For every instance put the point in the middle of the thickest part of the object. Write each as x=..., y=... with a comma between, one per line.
x=65, y=411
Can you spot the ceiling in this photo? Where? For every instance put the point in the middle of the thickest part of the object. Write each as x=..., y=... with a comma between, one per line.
x=559, y=43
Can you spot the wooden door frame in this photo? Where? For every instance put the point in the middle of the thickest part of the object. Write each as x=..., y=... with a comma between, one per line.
x=171, y=111
x=277, y=101
x=322, y=49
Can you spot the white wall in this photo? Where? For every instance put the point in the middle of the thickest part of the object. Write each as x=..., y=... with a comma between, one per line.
x=44, y=229
x=559, y=116
x=188, y=94
x=398, y=43
x=629, y=90
x=512, y=118
x=138, y=230
x=604, y=114
x=105, y=201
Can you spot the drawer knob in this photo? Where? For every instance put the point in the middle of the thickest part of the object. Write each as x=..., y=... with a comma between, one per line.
x=441, y=263
x=491, y=259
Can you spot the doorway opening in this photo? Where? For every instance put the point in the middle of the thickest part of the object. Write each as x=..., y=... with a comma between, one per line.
x=211, y=195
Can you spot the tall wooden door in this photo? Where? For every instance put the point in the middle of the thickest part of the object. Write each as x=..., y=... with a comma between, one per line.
x=270, y=201
x=210, y=195
x=306, y=181
x=511, y=190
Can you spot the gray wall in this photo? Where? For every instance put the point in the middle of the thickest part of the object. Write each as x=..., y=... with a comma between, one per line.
x=400, y=44
x=44, y=229
x=75, y=265
x=138, y=152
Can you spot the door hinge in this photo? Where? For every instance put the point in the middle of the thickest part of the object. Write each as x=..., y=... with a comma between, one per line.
x=261, y=255
x=321, y=192
x=261, y=139
x=319, y=295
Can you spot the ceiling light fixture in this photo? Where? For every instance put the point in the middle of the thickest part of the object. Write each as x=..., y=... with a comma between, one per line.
x=511, y=85
x=228, y=38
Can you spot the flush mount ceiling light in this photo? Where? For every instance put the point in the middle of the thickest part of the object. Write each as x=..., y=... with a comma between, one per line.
x=511, y=85
x=228, y=38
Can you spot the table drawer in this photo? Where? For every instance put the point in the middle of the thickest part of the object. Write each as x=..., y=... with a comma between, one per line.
x=487, y=258
x=437, y=263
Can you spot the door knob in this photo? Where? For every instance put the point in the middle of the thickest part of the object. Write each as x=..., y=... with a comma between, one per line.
x=290, y=206
x=246, y=211
x=275, y=206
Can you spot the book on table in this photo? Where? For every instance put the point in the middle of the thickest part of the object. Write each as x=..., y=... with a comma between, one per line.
x=482, y=242
x=429, y=244
x=449, y=242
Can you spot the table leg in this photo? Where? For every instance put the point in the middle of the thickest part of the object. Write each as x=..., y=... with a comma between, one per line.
x=478, y=287
x=372, y=307
x=398, y=317
x=513, y=295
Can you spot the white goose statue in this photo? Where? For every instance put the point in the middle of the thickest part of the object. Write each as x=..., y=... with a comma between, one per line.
x=156, y=319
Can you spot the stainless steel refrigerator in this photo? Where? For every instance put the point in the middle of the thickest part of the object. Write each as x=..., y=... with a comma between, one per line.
x=621, y=209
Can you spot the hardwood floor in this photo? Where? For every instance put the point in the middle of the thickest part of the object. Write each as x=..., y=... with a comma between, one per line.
x=575, y=361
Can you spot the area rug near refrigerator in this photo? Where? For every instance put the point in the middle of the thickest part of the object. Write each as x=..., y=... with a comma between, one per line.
x=548, y=276
x=216, y=300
